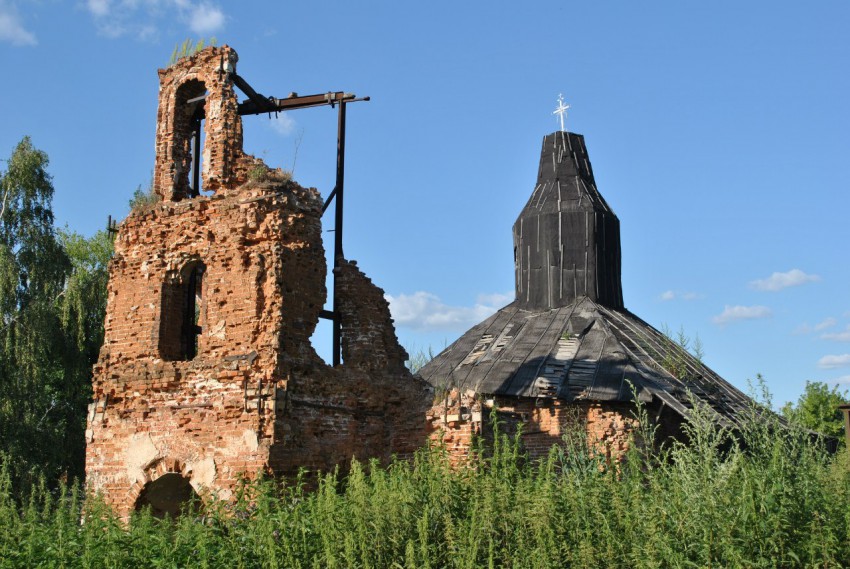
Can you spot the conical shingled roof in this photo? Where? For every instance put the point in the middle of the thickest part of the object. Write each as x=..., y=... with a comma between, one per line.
x=566, y=239
x=570, y=346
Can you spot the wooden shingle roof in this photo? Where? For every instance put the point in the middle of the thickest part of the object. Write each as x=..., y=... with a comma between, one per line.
x=583, y=351
x=567, y=334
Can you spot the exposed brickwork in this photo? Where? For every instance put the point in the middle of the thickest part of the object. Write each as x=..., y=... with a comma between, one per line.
x=207, y=372
x=370, y=340
x=224, y=163
x=456, y=419
x=207, y=369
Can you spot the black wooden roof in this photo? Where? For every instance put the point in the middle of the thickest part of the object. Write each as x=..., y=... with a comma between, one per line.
x=566, y=238
x=567, y=334
x=583, y=351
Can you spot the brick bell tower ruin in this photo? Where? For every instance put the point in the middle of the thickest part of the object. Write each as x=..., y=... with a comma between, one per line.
x=207, y=371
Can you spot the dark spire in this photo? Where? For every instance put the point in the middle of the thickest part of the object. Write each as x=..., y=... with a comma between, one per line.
x=566, y=239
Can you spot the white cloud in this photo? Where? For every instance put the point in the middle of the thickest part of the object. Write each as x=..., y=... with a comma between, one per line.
x=733, y=313
x=803, y=329
x=832, y=362
x=98, y=8
x=778, y=281
x=143, y=18
x=11, y=28
x=843, y=336
x=496, y=299
x=282, y=124
x=425, y=311
x=676, y=295
x=819, y=327
x=842, y=379
x=205, y=18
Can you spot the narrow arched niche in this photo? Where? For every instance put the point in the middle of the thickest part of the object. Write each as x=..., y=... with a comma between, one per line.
x=170, y=495
x=188, y=119
x=182, y=313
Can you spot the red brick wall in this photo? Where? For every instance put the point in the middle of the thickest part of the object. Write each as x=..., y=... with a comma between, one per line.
x=456, y=419
x=256, y=397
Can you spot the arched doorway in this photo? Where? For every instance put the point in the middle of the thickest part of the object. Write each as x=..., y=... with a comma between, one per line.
x=170, y=495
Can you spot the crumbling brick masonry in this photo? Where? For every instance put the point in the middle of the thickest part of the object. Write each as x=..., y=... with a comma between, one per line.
x=207, y=371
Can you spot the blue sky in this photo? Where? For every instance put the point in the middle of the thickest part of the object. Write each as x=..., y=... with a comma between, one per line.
x=719, y=133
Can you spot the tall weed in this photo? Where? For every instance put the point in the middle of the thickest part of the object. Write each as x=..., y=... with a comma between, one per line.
x=761, y=495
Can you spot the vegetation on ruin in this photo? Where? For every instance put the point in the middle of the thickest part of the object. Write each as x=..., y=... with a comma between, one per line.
x=143, y=198
x=418, y=357
x=189, y=48
x=262, y=173
x=769, y=498
x=764, y=496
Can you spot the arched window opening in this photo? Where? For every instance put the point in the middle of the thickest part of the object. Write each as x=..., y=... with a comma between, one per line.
x=182, y=311
x=170, y=495
x=188, y=144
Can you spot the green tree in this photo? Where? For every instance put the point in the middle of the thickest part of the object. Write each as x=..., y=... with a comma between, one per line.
x=817, y=409
x=52, y=293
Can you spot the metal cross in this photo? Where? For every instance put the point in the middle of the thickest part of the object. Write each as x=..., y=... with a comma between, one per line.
x=561, y=110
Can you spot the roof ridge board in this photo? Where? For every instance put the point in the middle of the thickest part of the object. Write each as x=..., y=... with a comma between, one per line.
x=627, y=360
x=646, y=385
x=608, y=335
x=572, y=308
x=730, y=390
x=445, y=354
x=488, y=330
x=714, y=403
x=730, y=419
x=706, y=376
x=660, y=385
x=664, y=344
x=652, y=379
x=613, y=316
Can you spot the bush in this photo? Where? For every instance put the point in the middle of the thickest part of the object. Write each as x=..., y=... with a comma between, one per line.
x=772, y=499
x=143, y=199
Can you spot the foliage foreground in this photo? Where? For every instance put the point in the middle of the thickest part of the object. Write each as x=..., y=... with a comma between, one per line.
x=766, y=499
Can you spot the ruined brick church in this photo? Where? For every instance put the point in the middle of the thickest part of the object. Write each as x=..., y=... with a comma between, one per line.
x=207, y=372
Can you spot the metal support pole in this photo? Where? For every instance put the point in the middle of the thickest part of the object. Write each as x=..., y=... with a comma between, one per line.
x=196, y=161
x=338, y=254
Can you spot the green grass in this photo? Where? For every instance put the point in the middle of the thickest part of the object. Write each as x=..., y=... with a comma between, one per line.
x=764, y=497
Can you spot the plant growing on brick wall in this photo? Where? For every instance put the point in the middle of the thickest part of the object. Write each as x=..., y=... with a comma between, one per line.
x=418, y=358
x=143, y=199
x=189, y=48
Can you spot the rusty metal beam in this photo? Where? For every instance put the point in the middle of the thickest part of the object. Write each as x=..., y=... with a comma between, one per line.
x=273, y=104
x=339, y=256
x=257, y=104
x=260, y=102
x=328, y=201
